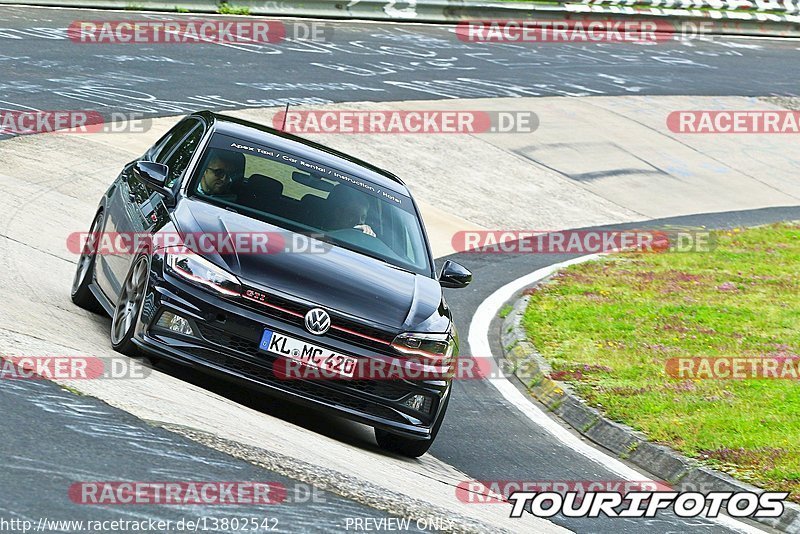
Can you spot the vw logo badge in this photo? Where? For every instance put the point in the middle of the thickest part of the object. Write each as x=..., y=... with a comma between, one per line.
x=318, y=321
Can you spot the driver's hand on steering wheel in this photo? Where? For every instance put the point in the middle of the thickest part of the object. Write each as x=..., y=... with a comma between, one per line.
x=367, y=229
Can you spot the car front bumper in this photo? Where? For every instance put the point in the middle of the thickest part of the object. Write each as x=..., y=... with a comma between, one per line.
x=225, y=342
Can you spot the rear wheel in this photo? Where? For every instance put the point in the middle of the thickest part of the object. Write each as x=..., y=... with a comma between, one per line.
x=126, y=312
x=84, y=274
x=413, y=448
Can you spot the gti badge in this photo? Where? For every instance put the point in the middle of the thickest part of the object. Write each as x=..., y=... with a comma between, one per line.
x=317, y=321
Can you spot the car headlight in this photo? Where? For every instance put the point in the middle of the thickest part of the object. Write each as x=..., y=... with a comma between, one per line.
x=200, y=271
x=436, y=347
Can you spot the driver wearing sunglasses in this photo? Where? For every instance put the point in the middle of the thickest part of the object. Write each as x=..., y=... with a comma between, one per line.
x=217, y=177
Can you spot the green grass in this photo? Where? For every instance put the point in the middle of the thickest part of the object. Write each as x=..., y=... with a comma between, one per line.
x=609, y=327
x=505, y=310
x=225, y=8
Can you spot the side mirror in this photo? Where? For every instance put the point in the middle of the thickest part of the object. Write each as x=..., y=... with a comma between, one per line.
x=454, y=275
x=154, y=175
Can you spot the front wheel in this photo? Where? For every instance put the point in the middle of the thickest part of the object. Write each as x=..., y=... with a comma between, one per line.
x=81, y=294
x=412, y=448
x=126, y=312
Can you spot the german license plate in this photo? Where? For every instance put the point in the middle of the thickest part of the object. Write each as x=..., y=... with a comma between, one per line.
x=307, y=353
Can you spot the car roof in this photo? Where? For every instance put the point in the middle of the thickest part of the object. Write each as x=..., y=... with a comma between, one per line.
x=264, y=135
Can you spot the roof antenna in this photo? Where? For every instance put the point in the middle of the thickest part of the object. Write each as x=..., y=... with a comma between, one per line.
x=285, y=113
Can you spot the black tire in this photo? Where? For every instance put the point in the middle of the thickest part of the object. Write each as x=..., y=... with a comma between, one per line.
x=412, y=448
x=129, y=305
x=84, y=273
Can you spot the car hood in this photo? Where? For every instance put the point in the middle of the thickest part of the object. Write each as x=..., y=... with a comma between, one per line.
x=336, y=279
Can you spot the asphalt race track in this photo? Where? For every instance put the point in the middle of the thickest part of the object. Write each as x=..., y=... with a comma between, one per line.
x=86, y=438
x=55, y=438
x=362, y=61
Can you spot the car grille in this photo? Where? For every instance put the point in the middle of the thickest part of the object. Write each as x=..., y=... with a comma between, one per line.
x=229, y=341
x=359, y=334
x=386, y=389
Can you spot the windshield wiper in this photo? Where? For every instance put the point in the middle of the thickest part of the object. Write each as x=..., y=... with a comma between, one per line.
x=390, y=264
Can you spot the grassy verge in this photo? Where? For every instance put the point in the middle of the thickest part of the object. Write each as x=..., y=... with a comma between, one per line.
x=610, y=327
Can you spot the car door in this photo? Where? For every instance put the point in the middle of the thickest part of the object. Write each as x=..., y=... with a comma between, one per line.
x=134, y=208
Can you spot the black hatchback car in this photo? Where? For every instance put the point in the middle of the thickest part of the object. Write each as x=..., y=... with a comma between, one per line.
x=278, y=262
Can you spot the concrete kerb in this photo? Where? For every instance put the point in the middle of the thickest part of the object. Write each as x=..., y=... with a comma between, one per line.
x=752, y=22
x=678, y=471
x=346, y=486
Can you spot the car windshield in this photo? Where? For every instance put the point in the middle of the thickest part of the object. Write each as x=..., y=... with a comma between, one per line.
x=314, y=199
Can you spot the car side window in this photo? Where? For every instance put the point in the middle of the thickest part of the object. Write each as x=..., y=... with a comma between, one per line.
x=179, y=159
x=164, y=146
